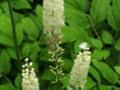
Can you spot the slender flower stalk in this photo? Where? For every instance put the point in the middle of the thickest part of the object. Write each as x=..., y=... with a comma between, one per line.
x=13, y=29
x=53, y=20
x=80, y=68
x=29, y=79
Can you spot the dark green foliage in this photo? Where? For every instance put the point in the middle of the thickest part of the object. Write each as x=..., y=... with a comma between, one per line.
x=94, y=21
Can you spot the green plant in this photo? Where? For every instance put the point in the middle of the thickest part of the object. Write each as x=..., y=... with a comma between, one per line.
x=93, y=21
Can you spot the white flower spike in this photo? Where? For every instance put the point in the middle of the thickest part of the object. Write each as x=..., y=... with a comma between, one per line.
x=53, y=20
x=29, y=79
x=80, y=68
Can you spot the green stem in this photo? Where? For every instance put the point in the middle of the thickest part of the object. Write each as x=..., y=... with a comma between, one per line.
x=13, y=30
x=93, y=28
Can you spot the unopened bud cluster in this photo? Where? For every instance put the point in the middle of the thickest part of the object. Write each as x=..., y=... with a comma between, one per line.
x=53, y=20
x=56, y=58
x=80, y=68
x=29, y=79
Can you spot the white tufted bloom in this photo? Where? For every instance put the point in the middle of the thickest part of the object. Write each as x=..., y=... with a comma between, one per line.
x=80, y=69
x=29, y=79
x=84, y=46
x=53, y=16
x=53, y=20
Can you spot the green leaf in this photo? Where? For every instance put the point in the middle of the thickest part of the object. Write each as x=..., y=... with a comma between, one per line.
x=96, y=43
x=11, y=52
x=116, y=88
x=31, y=50
x=74, y=17
x=6, y=37
x=117, y=69
x=30, y=28
x=105, y=87
x=19, y=33
x=106, y=72
x=5, y=25
x=38, y=11
x=117, y=44
x=18, y=81
x=107, y=37
x=76, y=45
x=4, y=6
x=65, y=80
x=106, y=53
x=7, y=87
x=100, y=54
x=95, y=74
x=90, y=83
x=48, y=75
x=98, y=10
x=21, y=4
x=71, y=34
x=44, y=56
x=82, y=5
x=6, y=41
x=5, y=65
x=67, y=64
x=39, y=16
x=113, y=15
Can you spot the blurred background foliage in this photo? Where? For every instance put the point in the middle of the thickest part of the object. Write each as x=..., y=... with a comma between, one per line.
x=94, y=21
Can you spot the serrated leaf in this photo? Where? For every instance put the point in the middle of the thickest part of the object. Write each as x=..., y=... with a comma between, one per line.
x=21, y=4
x=107, y=37
x=97, y=12
x=6, y=37
x=11, y=52
x=100, y=54
x=77, y=18
x=5, y=25
x=31, y=50
x=117, y=44
x=7, y=87
x=90, y=83
x=65, y=81
x=106, y=72
x=4, y=6
x=95, y=74
x=48, y=75
x=5, y=65
x=30, y=28
x=113, y=15
x=19, y=33
x=96, y=43
x=6, y=41
x=18, y=81
x=38, y=11
x=71, y=34
x=105, y=87
x=67, y=64
x=106, y=53
x=76, y=45
x=81, y=5
x=117, y=69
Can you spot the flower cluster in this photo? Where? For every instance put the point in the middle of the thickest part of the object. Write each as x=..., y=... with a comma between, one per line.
x=53, y=20
x=53, y=16
x=56, y=58
x=29, y=79
x=80, y=68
